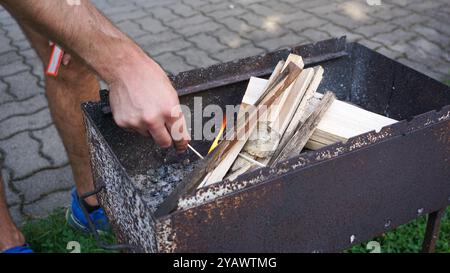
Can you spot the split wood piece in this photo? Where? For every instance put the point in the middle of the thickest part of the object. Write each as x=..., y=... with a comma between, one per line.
x=228, y=150
x=304, y=133
x=344, y=121
x=293, y=101
x=278, y=106
x=302, y=111
x=265, y=141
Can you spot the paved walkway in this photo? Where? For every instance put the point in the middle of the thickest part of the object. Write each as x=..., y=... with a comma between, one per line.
x=185, y=34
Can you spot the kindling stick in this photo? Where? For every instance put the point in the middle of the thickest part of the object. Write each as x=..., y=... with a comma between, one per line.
x=195, y=151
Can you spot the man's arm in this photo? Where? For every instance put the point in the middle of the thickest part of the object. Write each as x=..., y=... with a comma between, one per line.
x=142, y=97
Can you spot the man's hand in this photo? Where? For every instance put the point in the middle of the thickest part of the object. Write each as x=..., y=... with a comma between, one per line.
x=143, y=100
x=142, y=97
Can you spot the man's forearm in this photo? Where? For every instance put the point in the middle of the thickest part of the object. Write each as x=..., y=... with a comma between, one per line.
x=81, y=30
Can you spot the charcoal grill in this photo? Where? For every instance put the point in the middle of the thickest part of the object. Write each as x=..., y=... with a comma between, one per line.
x=319, y=201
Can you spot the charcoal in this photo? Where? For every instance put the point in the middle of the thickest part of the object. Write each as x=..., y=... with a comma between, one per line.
x=156, y=184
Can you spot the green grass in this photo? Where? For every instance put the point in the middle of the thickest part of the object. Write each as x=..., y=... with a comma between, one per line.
x=51, y=235
x=408, y=238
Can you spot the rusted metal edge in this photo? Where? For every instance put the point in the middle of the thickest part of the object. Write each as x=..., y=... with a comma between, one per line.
x=400, y=129
x=335, y=48
x=114, y=157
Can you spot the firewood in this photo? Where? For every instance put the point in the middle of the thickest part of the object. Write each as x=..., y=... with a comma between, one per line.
x=303, y=134
x=229, y=149
x=279, y=105
x=299, y=115
x=264, y=141
x=344, y=121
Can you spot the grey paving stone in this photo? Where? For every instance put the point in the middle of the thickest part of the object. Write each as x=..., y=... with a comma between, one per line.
x=262, y=10
x=349, y=20
x=125, y=16
x=52, y=146
x=9, y=57
x=238, y=25
x=387, y=13
x=324, y=9
x=238, y=53
x=17, y=215
x=43, y=182
x=13, y=68
x=261, y=35
x=230, y=38
x=304, y=23
x=4, y=96
x=164, y=14
x=429, y=49
x=375, y=29
x=16, y=124
x=22, y=44
x=337, y=31
x=25, y=107
x=410, y=20
x=393, y=37
x=23, y=85
x=207, y=42
x=314, y=35
x=22, y=155
x=192, y=30
x=149, y=40
x=172, y=64
x=198, y=58
x=5, y=45
x=131, y=28
x=170, y=46
x=151, y=25
x=370, y=44
x=417, y=66
x=231, y=10
x=258, y=21
x=183, y=22
x=432, y=35
x=390, y=53
x=6, y=19
x=119, y=7
x=12, y=198
x=296, y=15
x=48, y=204
x=183, y=10
x=28, y=53
x=280, y=7
x=37, y=68
x=287, y=40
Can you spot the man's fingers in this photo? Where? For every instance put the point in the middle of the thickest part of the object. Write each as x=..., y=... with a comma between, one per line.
x=176, y=125
x=160, y=134
x=66, y=59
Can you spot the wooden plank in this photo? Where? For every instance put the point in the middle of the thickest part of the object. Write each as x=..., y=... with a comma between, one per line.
x=344, y=121
x=301, y=136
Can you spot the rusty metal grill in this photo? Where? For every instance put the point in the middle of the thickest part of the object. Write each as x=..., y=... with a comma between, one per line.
x=320, y=201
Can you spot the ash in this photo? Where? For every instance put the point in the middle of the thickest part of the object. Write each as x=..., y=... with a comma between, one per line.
x=156, y=184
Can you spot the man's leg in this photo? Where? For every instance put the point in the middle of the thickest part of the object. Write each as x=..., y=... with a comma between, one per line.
x=74, y=84
x=10, y=236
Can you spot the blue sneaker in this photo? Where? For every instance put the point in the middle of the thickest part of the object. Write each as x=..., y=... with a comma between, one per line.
x=25, y=249
x=75, y=217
